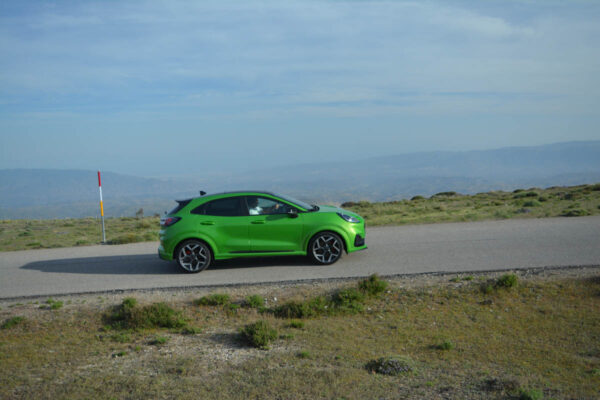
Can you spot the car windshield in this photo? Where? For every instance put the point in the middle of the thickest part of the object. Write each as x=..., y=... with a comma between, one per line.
x=300, y=203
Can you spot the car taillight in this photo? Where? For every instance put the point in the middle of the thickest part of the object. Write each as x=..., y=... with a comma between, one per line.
x=168, y=221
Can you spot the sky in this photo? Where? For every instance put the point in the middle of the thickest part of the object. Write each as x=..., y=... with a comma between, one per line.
x=168, y=88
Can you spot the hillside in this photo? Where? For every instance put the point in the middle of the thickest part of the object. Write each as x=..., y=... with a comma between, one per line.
x=72, y=193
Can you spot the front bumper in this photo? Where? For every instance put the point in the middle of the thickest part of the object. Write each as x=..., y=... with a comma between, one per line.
x=359, y=241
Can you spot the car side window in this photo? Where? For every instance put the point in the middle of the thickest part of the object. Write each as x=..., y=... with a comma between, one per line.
x=228, y=207
x=264, y=206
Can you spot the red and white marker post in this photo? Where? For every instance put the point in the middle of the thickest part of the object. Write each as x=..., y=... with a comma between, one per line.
x=101, y=209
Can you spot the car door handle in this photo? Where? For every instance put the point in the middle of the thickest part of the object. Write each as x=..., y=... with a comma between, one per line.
x=207, y=222
x=258, y=222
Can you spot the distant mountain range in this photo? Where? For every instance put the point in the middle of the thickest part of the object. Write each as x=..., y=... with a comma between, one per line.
x=26, y=193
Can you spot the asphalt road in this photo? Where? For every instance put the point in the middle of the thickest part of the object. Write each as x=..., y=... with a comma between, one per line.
x=455, y=247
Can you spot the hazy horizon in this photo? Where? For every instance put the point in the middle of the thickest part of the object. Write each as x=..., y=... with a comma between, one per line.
x=157, y=89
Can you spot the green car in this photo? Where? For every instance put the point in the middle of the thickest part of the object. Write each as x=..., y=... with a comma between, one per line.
x=250, y=224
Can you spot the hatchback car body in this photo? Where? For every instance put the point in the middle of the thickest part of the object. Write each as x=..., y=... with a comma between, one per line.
x=250, y=224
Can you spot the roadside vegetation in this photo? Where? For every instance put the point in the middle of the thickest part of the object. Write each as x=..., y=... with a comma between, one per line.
x=23, y=234
x=571, y=201
x=491, y=336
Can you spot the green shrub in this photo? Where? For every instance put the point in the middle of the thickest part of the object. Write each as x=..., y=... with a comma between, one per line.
x=129, y=302
x=389, y=365
x=303, y=354
x=296, y=324
x=190, y=330
x=372, y=286
x=159, y=340
x=507, y=281
x=13, y=321
x=255, y=301
x=259, y=334
x=215, y=299
x=415, y=198
x=54, y=304
x=305, y=309
x=158, y=315
x=487, y=287
x=445, y=345
x=521, y=195
x=576, y=212
x=532, y=203
x=348, y=300
x=121, y=337
x=444, y=194
x=530, y=394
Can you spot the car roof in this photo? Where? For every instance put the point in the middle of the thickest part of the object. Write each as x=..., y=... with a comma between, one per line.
x=232, y=192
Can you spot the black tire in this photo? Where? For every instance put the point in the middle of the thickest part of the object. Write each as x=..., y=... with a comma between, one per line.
x=193, y=256
x=325, y=248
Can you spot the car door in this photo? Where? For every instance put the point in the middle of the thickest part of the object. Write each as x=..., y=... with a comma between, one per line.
x=223, y=221
x=273, y=230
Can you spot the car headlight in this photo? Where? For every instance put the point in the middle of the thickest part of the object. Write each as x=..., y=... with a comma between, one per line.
x=349, y=218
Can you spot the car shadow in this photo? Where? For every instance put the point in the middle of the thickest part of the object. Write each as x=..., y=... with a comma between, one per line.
x=149, y=264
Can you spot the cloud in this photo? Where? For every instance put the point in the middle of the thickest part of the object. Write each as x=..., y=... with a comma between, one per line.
x=240, y=57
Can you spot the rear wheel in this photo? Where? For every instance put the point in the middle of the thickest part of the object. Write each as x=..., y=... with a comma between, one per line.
x=325, y=248
x=193, y=255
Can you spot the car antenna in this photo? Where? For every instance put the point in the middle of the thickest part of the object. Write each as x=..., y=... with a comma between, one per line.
x=202, y=193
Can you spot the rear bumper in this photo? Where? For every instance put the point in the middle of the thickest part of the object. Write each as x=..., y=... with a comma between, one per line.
x=162, y=254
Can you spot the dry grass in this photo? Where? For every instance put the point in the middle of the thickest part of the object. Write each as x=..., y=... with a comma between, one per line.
x=39, y=234
x=542, y=334
x=450, y=207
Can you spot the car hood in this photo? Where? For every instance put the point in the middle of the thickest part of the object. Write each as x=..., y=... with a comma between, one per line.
x=333, y=209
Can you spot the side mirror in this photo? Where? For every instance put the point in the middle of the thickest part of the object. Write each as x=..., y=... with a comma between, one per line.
x=293, y=213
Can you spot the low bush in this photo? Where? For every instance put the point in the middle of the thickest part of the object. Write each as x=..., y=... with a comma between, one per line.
x=507, y=281
x=389, y=365
x=54, y=304
x=121, y=337
x=255, y=301
x=215, y=299
x=532, y=203
x=158, y=315
x=445, y=194
x=530, y=394
x=303, y=354
x=296, y=324
x=575, y=212
x=445, y=345
x=373, y=285
x=259, y=334
x=159, y=340
x=521, y=195
x=348, y=300
x=305, y=309
x=14, y=321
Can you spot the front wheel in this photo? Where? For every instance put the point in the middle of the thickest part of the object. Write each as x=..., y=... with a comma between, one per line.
x=325, y=248
x=193, y=256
